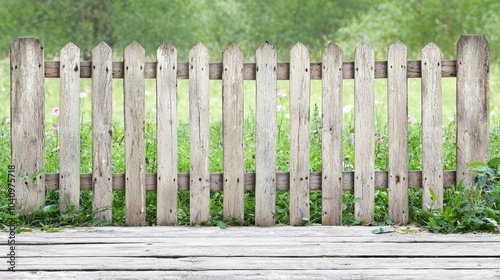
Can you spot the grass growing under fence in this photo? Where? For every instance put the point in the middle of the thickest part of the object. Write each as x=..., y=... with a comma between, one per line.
x=465, y=210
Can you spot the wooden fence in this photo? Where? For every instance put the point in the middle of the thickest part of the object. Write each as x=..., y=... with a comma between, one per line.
x=29, y=70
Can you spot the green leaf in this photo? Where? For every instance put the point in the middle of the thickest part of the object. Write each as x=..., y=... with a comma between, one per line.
x=33, y=177
x=385, y=229
x=52, y=229
x=357, y=199
x=476, y=164
x=221, y=225
x=491, y=221
x=494, y=162
x=433, y=196
x=25, y=230
x=404, y=230
x=490, y=213
x=50, y=208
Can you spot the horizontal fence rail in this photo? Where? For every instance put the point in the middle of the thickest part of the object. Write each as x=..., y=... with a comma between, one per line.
x=29, y=70
x=282, y=182
x=448, y=70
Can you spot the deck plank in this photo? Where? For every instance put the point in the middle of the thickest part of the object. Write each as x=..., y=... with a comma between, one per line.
x=251, y=253
x=250, y=263
x=253, y=249
x=430, y=274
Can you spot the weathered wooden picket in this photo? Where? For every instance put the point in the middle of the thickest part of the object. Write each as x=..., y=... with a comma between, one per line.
x=28, y=71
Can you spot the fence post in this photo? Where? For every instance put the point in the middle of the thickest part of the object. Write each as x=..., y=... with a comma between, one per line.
x=300, y=87
x=364, y=130
x=69, y=167
x=473, y=104
x=102, y=180
x=232, y=125
x=397, y=107
x=27, y=121
x=199, y=133
x=432, y=131
x=134, y=87
x=265, y=146
x=331, y=136
x=166, y=134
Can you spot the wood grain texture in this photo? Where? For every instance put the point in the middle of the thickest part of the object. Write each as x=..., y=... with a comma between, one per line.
x=69, y=131
x=331, y=147
x=432, y=131
x=364, y=148
x=282, y=181
x=397, y=107
x=134, y=88
x=102, y=96
x=217, y=248
x=249, y=70
x=232, y=126
x=265, y=138
x=300, y=87
x=473, y=104
x=166, y=134
x=27, y=109
x=253, y=253
x=199, y=104
x=252, y=263
x=245, y=235
x=430, y=274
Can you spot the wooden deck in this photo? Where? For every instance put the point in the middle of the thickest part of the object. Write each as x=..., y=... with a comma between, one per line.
x=250, y=253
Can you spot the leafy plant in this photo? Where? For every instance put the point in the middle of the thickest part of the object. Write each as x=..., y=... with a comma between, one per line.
x=476, y=208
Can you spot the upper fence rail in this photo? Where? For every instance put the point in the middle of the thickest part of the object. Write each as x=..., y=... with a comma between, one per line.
x=414, y=70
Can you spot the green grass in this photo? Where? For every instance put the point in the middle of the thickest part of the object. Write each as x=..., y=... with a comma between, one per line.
x=48, y=217
x=452, y=219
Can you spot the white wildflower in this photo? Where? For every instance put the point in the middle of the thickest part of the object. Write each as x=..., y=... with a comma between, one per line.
x=347, y=108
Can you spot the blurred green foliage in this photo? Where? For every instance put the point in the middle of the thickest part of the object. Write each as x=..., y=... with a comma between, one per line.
x=218, y=23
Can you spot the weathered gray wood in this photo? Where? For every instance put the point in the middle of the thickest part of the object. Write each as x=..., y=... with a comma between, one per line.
x=265, y=137
x=331, y=184
x=199, y=102
x=27, y=101
x=473, y=104
x=397, y=107
x=134, y=88
x=102, y=96
x=432, y=131
x=252, y=253
x=244, y=235
x=69, y=123
x=248, y=237
x=166, y=134
x=430, y=274
x=282, y=181
x=232, y=126
x=300, y=86
x=249, y=70
x=284, y=249
x=251, y=263
x=364, y=147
